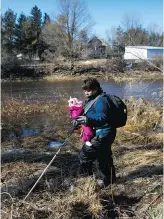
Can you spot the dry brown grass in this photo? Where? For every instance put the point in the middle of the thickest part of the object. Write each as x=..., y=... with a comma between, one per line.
x=16, y=108
x=133, y=76
x=82, y=200
x=92, y=61
x=18, y=114
x=108, y=76
x=135, y=159
x=17, y=171
x=144, y=118
x=52, y=78
x=65, y=195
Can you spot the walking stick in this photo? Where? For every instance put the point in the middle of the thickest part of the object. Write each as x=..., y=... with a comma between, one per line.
x=49, y=163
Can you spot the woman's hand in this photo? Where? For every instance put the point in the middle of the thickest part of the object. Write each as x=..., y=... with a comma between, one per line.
x=81, y=120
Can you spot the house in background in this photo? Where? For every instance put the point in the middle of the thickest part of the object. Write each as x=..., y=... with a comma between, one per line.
x=143, y=52
x=97, y=47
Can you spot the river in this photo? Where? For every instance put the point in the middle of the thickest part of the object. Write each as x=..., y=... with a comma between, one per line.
x=55, y=91
x=43, y=91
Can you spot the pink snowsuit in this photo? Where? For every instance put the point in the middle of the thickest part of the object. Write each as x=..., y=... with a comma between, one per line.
x=75, y=109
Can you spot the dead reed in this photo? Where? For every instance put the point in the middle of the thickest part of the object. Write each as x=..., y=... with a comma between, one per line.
x=64, y=193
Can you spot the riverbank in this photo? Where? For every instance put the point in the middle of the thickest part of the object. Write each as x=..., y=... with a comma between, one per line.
x=63, y=192
x=99, y=68
x=130, y=76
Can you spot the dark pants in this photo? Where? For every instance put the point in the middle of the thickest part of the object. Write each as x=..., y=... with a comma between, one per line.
x=100, y=151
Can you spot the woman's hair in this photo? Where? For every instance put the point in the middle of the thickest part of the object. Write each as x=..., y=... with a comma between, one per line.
x=91, y=84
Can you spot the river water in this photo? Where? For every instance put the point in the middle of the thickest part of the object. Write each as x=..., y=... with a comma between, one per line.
x=55, y=91
x=44, y=91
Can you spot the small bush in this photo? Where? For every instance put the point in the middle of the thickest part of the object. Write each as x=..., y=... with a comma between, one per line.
x=148, y=65
x=8, y=63
x=114, y=65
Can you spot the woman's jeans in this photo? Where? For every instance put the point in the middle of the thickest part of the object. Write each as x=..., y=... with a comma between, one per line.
x=99, y=150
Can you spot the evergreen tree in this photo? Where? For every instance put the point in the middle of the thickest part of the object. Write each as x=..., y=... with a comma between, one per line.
x=118, y=43
x=46, y=19
x=20, y=32
x=8, y=30
x=161, y=41
x=25, y=40
x=136, y=36
x=154, y=39
x=36, y=21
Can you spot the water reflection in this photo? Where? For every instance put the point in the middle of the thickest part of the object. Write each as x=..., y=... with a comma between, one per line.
x=22, y=133
x=43, y=91
x=148, y=90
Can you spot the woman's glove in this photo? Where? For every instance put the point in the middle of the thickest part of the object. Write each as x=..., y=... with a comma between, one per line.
x=81, y=120
x=75, y=124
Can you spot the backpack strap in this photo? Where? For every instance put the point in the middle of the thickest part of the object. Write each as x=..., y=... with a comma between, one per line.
x=89, y=105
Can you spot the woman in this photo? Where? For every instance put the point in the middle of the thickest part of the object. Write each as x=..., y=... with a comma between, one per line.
x=99, y=147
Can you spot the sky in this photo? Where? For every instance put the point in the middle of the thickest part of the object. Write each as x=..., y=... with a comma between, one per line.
x=106, y=14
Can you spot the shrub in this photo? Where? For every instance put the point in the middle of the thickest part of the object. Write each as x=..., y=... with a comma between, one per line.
x=115, y=65
x=8, y=63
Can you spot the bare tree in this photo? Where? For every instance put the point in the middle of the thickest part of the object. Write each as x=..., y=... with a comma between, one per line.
x=73, y=17
x=131, y=22
x=67, y=35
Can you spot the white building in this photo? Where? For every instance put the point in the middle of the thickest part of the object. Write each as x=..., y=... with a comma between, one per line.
x=22, y=56
x=142, y=52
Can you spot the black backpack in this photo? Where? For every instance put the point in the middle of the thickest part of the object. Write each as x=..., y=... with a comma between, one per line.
x=118, y=111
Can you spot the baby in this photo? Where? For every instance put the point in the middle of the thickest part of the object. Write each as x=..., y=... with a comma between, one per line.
x=75, y=109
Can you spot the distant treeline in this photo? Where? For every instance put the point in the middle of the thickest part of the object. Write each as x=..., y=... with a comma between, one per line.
x=38, y=36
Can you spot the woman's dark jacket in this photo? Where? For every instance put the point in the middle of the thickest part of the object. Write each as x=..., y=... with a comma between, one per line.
x=99, y=114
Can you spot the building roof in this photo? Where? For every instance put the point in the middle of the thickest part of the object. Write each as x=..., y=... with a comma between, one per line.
x=103, y=42
x=145, y=47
